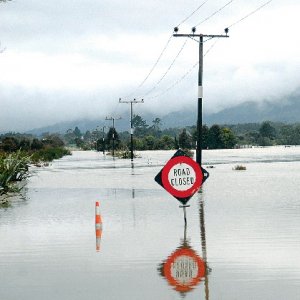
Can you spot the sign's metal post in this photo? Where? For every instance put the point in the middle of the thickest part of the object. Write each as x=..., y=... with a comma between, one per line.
x=184, y=212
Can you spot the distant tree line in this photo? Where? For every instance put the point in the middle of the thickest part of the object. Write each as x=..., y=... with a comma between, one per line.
x=47, y=148
x=267, y=134
x=153, y=137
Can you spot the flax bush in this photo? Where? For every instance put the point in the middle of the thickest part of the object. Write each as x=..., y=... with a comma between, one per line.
x=13, y=168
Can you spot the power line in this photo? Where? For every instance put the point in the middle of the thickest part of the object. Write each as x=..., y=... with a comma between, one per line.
x=173, y=62
x=185, y=75
x=176, y=82
x=235, y=23
x=250, y=14
x=213, y=14
x=153, y=67
x=167, y=71
x=169, y=68
x=189, y=16
x=163, y=51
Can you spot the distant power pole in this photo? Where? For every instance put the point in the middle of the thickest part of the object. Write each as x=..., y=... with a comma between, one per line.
x=113, y=126
x=103, y=139
x=131, y=125
x=193, y=36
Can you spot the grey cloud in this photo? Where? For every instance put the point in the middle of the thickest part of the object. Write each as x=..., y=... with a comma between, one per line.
x=55, y=28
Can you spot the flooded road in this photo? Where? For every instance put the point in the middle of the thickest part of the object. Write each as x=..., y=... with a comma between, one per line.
x=242, y=239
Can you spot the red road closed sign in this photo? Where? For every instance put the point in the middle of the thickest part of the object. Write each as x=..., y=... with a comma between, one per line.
x=181, y=176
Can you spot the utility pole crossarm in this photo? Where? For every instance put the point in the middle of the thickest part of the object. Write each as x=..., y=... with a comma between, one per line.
x=200, y=35
x=131, y=101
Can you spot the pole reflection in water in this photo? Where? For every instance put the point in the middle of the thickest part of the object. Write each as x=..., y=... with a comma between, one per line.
x=98, y=226
x=184, y=268
x=203, y=243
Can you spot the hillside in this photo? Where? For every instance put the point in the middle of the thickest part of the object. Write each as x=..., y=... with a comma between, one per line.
x=287, y=111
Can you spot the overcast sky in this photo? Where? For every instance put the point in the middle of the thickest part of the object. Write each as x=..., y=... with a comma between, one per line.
x=71, y=59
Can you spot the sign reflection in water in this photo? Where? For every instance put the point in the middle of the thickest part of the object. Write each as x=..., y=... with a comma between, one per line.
x=184, y=269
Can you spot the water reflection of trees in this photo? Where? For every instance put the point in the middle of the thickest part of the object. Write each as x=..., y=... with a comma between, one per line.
x=184, y=269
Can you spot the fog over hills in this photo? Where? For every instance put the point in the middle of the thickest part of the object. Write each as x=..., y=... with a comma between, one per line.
x=287, y=110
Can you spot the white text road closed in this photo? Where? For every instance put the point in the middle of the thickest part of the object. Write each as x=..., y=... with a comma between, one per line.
x=182, y=177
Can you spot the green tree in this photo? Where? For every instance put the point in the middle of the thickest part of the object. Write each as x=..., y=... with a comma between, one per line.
x=176, y=144
x=53, y=140
x=69, y=137
x=228, y=138
x=165, y=143
x=205, y=131
x=290, y=135
x=266, y=130
x=185, y=140
x=25, y=144
x=79, y=142
x=36, y=144
x=112, y=138
x=214, y=140
x=9, y=144
x=155, y=128
x=140, y=125
x=77, y=132
x=156, y=123
x=295, y=137
x=138, y=143
x=100, y=145
x=251, y=138
x=149, y=142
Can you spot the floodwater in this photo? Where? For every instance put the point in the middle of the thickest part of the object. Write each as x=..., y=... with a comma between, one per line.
x=242, y=239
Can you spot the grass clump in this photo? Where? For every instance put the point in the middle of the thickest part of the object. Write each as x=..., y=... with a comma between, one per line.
x=239, y=168
x=125, y=154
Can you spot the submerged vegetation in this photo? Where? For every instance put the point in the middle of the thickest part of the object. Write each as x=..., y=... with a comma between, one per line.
x=18, y=152
x=239, y=168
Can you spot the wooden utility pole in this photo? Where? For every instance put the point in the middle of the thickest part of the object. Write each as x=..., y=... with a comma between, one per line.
x=195, y=36
x=131, y=102
x=113, y=126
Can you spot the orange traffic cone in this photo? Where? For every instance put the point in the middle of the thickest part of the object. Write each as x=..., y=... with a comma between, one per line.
x=98, y=225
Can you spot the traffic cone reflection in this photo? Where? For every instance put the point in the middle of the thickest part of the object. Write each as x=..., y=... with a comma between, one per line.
x=98, y=226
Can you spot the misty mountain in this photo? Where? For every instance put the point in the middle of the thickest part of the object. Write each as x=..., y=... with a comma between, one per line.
x=287, y=111
x=122, y=124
